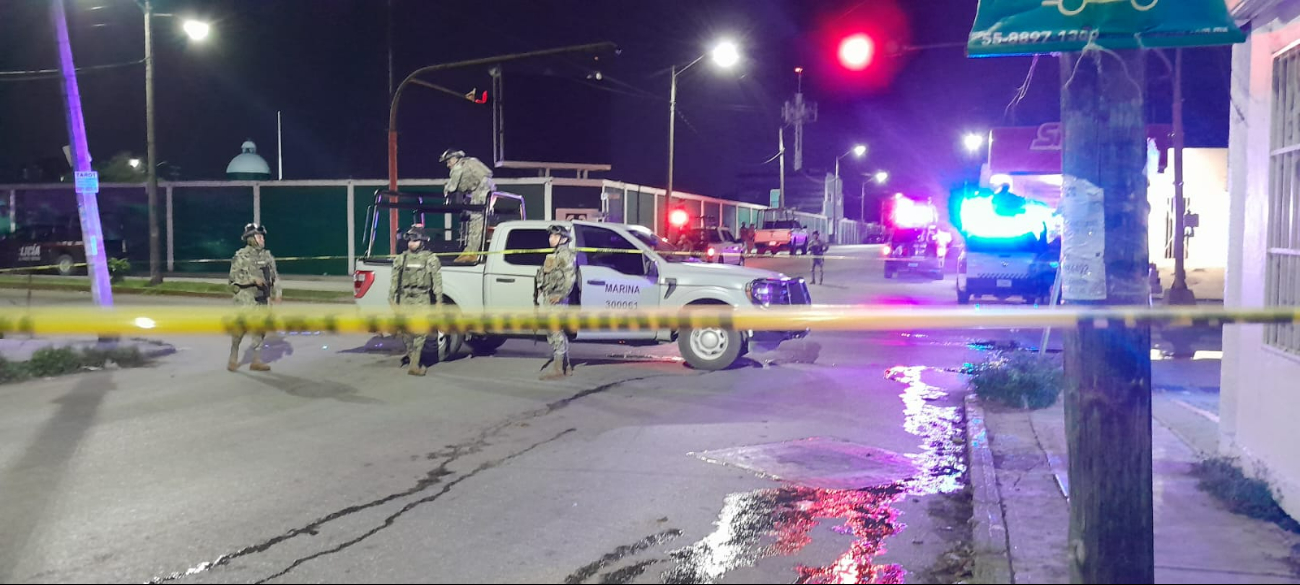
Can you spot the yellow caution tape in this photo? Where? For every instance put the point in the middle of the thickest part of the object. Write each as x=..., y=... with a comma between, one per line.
x=218, y=320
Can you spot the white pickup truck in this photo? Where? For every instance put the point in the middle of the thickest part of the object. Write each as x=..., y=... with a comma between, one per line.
x=605, y=280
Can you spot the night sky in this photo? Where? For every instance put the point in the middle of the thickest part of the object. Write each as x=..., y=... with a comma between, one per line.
x=324, y=64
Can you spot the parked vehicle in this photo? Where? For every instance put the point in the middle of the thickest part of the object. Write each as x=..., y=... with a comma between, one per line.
x=56, y=246
x=782, y=235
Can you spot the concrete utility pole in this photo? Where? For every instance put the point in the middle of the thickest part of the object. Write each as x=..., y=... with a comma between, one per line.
x=87, y=181
x=1104, y=261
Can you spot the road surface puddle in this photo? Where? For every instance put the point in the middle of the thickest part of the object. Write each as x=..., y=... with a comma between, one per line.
x=853, y=488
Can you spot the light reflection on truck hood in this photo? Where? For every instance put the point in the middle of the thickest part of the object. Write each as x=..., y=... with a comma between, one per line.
x=711, y=273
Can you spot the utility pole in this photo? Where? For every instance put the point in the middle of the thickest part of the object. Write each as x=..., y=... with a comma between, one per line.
x=151, y=148
x=1108, y=369
x=87, y=182
x=780, y=136
x=1178, y=293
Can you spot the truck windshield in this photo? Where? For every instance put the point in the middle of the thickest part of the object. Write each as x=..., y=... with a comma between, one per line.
x=658, y=244
x=780, y=225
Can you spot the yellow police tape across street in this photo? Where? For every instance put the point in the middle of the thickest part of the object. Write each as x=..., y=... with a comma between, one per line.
x=439, y=254
x=218, y=320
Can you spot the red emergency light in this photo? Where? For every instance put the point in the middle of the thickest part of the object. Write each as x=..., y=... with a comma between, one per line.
x=679, y=218
x=910, y=214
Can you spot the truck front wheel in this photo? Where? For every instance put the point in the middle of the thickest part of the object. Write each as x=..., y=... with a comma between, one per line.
x=710, y=348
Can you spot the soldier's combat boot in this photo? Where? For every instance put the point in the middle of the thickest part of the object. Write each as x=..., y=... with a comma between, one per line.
x=233, y=364
x=258, y=364
x=555, y=372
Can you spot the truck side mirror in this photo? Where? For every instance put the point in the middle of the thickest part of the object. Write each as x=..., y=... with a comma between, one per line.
x=651, y=267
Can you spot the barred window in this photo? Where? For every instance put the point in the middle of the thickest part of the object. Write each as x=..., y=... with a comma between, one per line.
x=1283, y=237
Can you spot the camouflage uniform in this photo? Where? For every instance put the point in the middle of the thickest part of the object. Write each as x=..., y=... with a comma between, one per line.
x=470, y=176
x=555, y=280
x=416, y=284
x=249, y=264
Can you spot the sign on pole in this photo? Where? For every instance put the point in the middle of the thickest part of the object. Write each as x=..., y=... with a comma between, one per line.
x=1027, y=27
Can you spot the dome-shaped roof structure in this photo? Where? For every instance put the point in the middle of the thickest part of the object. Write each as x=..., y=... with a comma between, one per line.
x=248, y=165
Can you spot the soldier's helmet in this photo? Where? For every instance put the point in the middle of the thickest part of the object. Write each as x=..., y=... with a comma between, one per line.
x=451, y=153
x=559, y=230
x=416, y=233
x=253, y=229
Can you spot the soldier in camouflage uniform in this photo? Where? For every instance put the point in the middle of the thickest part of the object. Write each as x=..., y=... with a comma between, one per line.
x=470, y=179
x=555, y=280
x=416, y=284
x=255, y=284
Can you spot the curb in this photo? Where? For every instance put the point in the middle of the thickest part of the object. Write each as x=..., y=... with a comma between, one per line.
x=289, y=297
x=988, y=528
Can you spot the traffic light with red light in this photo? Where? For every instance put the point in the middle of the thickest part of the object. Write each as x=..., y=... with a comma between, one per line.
x=678, y=218
x=857, y=51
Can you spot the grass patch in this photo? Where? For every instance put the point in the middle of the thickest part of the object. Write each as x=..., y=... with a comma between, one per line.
x=60, y=361
x=1223, y=478
x=53, y=361
x=1018, y=379
x=140, y=286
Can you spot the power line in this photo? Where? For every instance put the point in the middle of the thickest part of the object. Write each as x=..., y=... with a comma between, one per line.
x=37, y=74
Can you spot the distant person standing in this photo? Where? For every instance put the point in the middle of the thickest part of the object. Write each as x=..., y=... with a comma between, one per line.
x=818, y=249
x=255, y=284
x=751, y=234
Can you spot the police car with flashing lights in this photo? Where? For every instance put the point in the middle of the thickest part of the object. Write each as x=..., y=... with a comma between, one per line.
x=1012, y=249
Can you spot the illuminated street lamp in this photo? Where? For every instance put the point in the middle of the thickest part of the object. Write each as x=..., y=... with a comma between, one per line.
x=726, y=55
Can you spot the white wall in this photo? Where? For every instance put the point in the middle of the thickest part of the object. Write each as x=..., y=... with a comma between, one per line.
x=1205, y=186
x=1260, y=401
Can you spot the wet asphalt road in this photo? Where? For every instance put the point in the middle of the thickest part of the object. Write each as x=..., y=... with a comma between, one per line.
x=337, y=467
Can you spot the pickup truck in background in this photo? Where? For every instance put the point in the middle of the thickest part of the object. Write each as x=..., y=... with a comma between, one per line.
x=637, y=279
x=58, y=246
x=780, y=235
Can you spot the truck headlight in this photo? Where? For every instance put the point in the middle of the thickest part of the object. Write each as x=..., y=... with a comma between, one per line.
x=761, y=292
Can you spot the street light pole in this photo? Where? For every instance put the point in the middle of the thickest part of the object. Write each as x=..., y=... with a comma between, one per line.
x=725, y=55
x=837, y=200
x=151, y=185
x=672, y=139
x=672, y=130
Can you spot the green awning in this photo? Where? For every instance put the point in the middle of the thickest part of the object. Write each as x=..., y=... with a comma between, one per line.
x=1031, y=27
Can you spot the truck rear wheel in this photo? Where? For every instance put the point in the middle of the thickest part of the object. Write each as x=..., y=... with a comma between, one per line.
x=710, y=348
x=484, y=344
x=66, y=265
x=447, y=345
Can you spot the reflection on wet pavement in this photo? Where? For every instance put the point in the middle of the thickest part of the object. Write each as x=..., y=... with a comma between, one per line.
x=824, y=476
x=778, y=522
x=940, y=460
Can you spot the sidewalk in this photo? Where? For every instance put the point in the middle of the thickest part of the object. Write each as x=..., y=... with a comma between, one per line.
x=1205, y=283
x=1197, y=540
